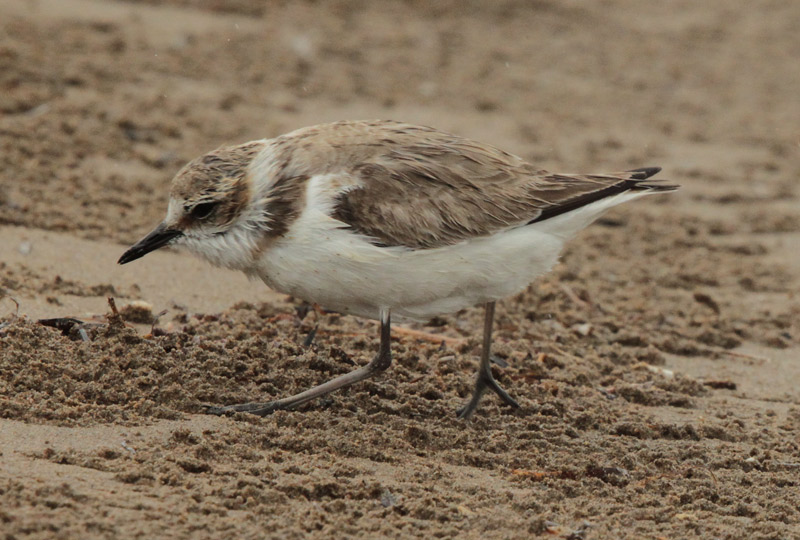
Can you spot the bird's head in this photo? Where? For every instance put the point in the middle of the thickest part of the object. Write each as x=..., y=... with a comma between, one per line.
x=209, y=207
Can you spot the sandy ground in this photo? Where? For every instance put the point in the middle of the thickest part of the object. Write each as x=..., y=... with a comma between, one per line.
x=657, y=366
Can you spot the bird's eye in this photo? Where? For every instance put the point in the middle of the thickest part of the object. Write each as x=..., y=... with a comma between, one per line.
x=203, y=210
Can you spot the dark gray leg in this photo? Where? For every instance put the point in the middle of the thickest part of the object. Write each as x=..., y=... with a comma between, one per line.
x=380, y=363
x=485, y=378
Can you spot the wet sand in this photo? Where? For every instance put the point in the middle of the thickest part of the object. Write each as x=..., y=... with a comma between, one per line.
x=656, y=365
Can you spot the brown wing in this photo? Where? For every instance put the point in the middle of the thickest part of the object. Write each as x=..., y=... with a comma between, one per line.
x=429, y=189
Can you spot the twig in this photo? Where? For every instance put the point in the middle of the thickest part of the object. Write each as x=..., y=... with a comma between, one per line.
x=155, y=321
x=744, y=355
x=573, y=296
x=311, y=335
x=714, y=478
x=16, y=311
x=427, y=336
x=115, y=320
x=564, y=353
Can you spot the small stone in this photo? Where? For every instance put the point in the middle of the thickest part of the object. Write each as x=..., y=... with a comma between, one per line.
x=584, y=329
x=388, y=499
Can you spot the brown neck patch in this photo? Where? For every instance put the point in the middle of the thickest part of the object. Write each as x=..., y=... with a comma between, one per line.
x=284, y=203
x=286, y=200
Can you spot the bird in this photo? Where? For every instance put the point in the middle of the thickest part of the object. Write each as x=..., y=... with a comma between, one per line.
x=383, y=219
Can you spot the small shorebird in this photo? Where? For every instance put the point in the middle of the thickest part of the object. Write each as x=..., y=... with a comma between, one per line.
x=380, y=218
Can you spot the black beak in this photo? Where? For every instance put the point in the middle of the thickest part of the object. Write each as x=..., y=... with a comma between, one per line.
x=159, y=237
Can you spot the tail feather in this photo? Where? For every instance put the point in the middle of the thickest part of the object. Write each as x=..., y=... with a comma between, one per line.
x=579, y=211
x=637, y=175
x=628, y=181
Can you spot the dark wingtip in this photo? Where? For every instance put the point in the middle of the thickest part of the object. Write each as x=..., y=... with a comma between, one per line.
x=637, y=175
x=644, y=173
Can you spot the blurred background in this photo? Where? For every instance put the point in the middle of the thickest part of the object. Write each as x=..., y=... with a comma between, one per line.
x=684, y=306
x=103, y=97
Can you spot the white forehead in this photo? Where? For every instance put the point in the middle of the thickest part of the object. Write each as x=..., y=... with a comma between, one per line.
x=174, y=211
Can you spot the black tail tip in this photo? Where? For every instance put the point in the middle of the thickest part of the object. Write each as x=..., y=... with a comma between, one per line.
x=644, y=173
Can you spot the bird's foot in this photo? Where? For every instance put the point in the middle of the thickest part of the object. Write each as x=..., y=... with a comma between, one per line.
x=485, y=381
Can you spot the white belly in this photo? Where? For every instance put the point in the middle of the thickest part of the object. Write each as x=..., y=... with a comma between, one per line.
x=320, y=262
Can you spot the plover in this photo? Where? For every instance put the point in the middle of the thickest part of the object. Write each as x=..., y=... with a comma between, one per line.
x=383, y=219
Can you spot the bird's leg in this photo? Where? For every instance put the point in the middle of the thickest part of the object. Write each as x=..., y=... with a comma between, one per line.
x=318, y=312
x=485, y=378
x=378, y=364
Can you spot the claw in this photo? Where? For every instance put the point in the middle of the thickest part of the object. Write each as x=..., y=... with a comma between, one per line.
x=485, y=381
x=213, y=410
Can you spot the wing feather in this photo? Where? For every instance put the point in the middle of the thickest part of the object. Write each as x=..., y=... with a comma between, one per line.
x=422, y=188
